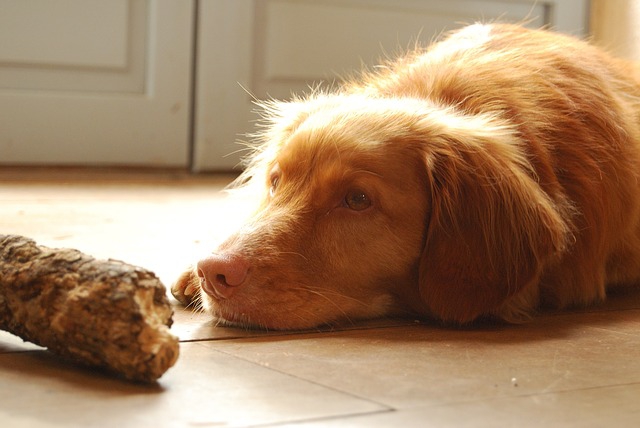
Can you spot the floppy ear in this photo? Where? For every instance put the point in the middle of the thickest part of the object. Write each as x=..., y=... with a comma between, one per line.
x=491, y=227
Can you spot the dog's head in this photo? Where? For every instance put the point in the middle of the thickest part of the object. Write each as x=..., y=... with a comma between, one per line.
x=370, y=207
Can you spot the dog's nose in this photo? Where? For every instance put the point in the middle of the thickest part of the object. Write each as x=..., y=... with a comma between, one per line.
x=221, y=274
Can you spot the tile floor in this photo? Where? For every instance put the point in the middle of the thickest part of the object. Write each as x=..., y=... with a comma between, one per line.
x=572, y=369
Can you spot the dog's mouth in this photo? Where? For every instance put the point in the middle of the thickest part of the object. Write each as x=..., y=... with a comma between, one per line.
x=234, y=313
x=237, y=314
x=228, y=314
x=243, y=321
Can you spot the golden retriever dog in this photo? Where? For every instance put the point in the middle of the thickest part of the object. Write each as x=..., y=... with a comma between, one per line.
x=491, y=174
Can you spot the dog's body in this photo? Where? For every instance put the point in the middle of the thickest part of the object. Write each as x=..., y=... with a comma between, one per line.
x=494, y=172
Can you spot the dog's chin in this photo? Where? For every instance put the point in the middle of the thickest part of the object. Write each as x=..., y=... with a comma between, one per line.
x=244, y=324
x=257, y=322
x=229, y=315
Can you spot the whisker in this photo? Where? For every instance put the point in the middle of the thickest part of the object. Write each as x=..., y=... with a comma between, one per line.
x=335, y=293
x=317, y=293
x=300, y=317
x=195, y=304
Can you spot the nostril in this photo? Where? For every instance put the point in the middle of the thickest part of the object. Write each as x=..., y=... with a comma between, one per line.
x=222, y=279
x=220, y=274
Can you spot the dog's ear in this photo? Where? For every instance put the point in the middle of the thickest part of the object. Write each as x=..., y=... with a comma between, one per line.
x=491, y=226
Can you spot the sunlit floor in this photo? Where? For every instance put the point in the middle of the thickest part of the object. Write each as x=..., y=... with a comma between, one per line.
x=579, y=368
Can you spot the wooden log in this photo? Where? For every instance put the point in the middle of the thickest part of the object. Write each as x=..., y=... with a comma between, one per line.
x=102, y=313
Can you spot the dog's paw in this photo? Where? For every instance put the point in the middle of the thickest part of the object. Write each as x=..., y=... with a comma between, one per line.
x=187, y=288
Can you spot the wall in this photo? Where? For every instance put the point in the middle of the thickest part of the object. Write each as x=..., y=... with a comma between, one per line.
x=615, y=25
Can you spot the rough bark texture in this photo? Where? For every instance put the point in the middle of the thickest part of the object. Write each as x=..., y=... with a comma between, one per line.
x=102, y=313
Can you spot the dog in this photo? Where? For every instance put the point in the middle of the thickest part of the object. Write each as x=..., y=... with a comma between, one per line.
x=489, y=175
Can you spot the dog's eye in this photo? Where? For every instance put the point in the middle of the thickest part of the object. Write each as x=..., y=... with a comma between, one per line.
x=357, y=200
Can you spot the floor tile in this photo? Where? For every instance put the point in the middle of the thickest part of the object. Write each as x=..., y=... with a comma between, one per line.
x=598, y=407
x=206, y=388
x=404, y=367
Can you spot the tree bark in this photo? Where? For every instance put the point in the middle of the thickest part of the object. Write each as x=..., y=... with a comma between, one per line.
x=102, y=313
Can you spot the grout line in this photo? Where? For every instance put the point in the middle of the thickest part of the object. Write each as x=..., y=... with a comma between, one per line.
x=325, y=418
x=385, y=407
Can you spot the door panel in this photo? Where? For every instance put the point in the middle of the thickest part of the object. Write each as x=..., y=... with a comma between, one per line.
x=59, y=41
x=273, y=48
x=317, y=41
x=95, y=82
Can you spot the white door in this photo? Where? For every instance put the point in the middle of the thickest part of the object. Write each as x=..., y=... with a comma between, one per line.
x=271, y=48
x=95, y=81
x=109, y=81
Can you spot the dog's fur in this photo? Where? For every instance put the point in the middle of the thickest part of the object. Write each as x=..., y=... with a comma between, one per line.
x=493, y=173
